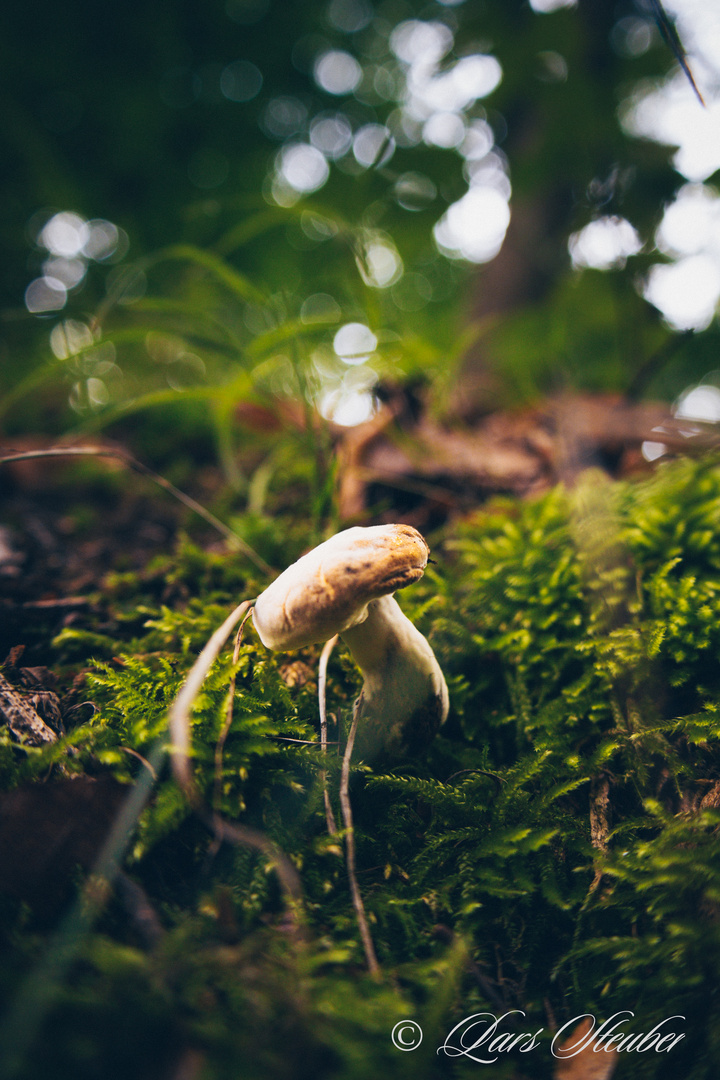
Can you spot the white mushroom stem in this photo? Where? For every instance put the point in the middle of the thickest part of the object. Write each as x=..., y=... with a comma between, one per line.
x=404, y=698
x=345, y=587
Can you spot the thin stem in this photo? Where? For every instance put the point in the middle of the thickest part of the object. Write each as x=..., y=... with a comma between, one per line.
x=137, y=466
x=245, y=836
x=220, y=745
x=179, y=713
x=322, y=706
x=370, y=957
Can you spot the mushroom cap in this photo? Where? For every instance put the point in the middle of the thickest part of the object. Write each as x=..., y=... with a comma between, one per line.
x=328, y=590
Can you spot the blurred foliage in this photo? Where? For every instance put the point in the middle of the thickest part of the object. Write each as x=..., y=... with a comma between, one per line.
x=232, y=289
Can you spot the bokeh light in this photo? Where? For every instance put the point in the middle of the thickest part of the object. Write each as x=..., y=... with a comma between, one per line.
x=70, y=242
x=283, y=117
x=420, y=43
x=698, y=405
x=489, y=172
x=671, y=114
x=691, y=223
x=444, y=129
x=460, y=86
x=687, y=292
x=474, y=227
x=69, y=338
x=331, y=134
x=699, y=25
x=604, y=244
x=384, y=264
x=241, y=81
x=414, y=191
x=373, y=145
x=104, y=241
x=337, y=72
x=347, y=405
x=301, y=169
x=433, y=107
x=546, y=6
x=320, y=307
x=349, y=16
x=45, y=294
x=478, y=142
x=65, y=234
x=68, y=271
x=354, y=343
x=632, y=36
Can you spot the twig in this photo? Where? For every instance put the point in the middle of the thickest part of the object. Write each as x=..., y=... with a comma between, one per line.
x=245, y=836
x=58, y=602
x=81, y=705
x=322, y=706
x=133, y=753
x=672, y=39
x=303, y=742
x=179, y=713
x=138, y=467
x=370, y=957
x=599, y=821
x=21, y=718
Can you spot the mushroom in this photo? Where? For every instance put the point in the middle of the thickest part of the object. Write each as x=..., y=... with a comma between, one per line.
x=345, y=586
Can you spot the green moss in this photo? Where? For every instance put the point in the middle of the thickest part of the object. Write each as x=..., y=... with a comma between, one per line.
x=581, y=639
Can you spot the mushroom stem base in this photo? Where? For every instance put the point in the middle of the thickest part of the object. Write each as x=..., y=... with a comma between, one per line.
x=404, y=699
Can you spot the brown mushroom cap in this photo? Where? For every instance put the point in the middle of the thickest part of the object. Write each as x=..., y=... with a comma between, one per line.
x=327, y=591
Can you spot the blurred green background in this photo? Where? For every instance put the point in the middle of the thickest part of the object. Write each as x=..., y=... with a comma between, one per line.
x=197, y=197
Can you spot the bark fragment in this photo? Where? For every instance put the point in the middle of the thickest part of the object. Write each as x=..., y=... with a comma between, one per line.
x=21, y=719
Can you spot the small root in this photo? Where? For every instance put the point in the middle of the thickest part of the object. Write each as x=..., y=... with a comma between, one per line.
x=370, y=957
